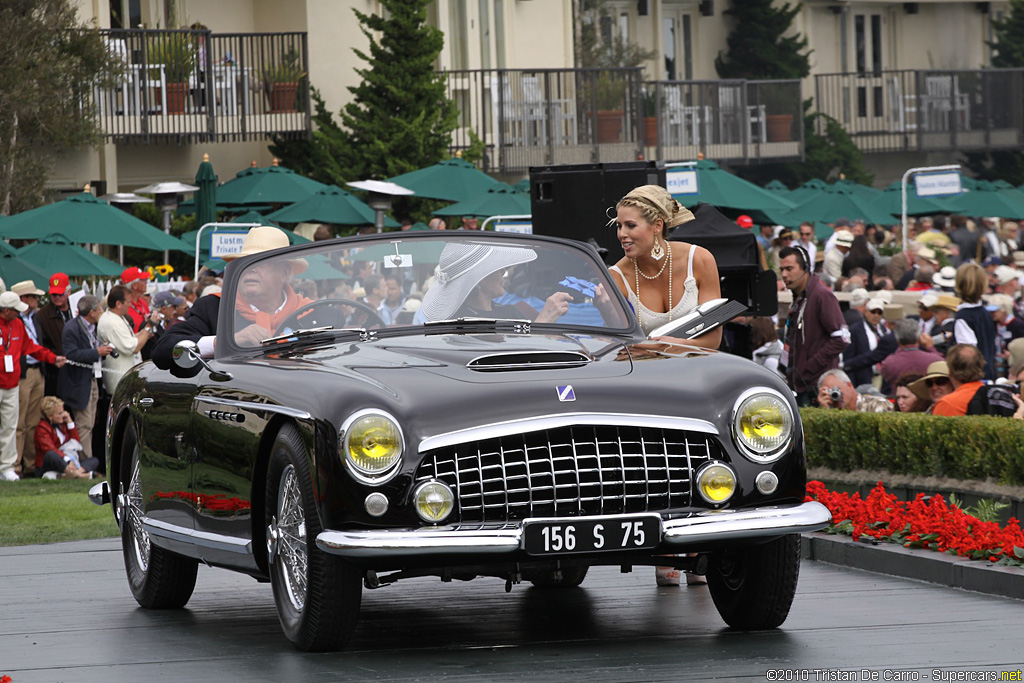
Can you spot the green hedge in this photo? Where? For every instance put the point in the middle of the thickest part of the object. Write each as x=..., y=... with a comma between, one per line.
x=973, y=447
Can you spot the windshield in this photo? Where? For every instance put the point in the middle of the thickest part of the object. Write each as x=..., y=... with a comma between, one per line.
x=398, y=282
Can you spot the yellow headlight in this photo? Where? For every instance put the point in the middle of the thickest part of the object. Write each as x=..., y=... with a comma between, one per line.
x=372, y=444
x=763, y=424
x=716, y=483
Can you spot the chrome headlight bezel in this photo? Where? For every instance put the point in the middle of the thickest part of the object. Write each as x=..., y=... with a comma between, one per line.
x=752, y=451
x=359, y=474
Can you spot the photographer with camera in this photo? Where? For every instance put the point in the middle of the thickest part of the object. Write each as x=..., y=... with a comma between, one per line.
x=114, y=329
x=836, y=390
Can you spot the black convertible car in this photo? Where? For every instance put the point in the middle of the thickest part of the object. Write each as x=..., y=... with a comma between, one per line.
x=507, y=420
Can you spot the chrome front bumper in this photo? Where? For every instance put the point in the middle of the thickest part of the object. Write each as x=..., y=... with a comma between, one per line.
x=465, y=542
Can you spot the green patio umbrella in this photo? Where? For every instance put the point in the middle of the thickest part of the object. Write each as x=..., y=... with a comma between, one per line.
x=271, y=185
x=330, y=205
x=422, y=251
x=206, y=196
x=863, y=191
x=891, y=201
x=732, y=194
x=15, y=269
x=56, y=253
x=831, y=204
x=778, y=187
x=980, y=198
x=522, y=186
x=500, y=200
x=452, y=180
x=84, y=219
x=806, y=191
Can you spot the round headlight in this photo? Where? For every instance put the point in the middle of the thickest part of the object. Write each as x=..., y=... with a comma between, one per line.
x=763, y=425
x=371, y=445
x=433, y=501
x=716, y=483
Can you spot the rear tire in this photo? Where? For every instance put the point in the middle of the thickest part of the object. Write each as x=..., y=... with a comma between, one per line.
x=571, y=578
x=317, y=595
x=158, y=578
x=753, y=587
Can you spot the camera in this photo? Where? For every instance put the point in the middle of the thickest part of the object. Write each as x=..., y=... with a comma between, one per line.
x=835, y=394
x=114, y=353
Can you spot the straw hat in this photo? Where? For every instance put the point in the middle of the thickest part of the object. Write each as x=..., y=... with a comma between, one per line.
x=946, y=277
x=947, y=301
x=994, y=302
x=461, y=267
x=264, y=238
x=844, y=238
x=927, y=254
x=1016, y=349
x=936, y=369
x=26, y=287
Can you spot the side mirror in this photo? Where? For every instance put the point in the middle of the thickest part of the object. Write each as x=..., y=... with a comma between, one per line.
x=185, y=354
x=701, y=320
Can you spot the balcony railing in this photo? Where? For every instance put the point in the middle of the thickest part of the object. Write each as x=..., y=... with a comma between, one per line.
x=570, y=116
x=734, y=120
x=193, y=86
x=897, y=111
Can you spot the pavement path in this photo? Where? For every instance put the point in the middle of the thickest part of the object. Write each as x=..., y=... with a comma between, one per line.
x=67, y=615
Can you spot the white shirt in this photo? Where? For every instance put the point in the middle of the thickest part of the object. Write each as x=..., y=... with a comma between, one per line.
x=114, y=330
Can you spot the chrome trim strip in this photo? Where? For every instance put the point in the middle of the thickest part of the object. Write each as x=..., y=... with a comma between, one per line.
x=202, y=539
x=579, y=359
x=254, y=406
x=536, y=424
x=444, y=543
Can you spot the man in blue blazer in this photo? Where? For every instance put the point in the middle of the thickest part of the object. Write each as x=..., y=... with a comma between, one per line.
x=76, y=381
x=870, y=343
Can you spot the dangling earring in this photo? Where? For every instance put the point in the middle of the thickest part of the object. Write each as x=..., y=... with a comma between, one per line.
x=657, y=252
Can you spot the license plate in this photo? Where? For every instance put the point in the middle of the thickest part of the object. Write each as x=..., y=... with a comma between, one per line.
x=591, y=535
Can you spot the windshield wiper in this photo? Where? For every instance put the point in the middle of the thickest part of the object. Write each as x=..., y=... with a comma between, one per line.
x=516, y=323
x=313, y=332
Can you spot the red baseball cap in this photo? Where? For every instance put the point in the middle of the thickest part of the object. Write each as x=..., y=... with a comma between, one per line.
x=745, y=221
x=132, y=274
x=59, y=283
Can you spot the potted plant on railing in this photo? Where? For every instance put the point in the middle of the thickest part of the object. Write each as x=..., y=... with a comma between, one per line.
x=610, y=93
x=176, y=55
x=282, y=82
x=649, y=101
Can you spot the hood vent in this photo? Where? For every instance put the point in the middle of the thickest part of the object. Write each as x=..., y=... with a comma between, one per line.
x=529, y=360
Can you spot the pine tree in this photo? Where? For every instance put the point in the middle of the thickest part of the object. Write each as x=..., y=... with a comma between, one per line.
x=1007, y=165
x=48, y=66
x=758, y=47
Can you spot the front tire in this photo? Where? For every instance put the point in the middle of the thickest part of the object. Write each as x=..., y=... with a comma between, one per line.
x=753, y=587
x=317, y=595
x=158, y=578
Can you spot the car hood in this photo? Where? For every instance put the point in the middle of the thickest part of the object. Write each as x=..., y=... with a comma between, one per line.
x=430, y=384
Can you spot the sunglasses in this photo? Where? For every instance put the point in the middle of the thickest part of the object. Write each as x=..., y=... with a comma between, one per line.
x=877, y=311
x=936, y=382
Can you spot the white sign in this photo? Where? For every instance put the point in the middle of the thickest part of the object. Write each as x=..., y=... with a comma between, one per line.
x=935, y=184
x=521, y=227
x=398, y=261
x=681, y=182
x=226, y=243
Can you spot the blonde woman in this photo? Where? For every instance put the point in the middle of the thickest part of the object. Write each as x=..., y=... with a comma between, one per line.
x=58, y=444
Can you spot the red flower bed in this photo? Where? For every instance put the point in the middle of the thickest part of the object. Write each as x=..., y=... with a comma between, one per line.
x=925, y=522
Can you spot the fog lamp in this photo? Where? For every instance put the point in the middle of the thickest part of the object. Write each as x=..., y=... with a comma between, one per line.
x=433, y=501
x=716, y=483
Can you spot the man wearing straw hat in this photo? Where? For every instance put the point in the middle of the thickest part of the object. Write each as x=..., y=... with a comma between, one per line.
x=265, y=299
x=31, y=385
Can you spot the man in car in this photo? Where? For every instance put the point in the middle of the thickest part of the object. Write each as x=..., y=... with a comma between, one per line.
x=265, y=299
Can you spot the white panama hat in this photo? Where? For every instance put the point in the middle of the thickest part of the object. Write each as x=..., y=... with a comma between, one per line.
x=461, y=267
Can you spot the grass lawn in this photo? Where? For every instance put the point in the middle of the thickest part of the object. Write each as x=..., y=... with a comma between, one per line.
x=47, y=511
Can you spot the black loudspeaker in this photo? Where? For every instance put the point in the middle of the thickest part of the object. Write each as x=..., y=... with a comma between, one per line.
x=910, y=8
x=572, y=201
x=99, y=187
x=983, y=7
x=641, y=8
x=707, y=8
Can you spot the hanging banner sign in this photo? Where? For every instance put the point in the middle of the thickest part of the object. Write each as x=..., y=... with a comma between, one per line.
x=681, y=182
x=937, y=184
x=226, y=243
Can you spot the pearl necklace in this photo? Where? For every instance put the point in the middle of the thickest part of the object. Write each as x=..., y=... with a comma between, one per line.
x=636, y=276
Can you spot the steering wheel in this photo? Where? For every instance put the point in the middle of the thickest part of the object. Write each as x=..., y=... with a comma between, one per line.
x=335, y=318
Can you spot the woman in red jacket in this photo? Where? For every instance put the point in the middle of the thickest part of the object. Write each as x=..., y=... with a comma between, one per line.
x=58, y=448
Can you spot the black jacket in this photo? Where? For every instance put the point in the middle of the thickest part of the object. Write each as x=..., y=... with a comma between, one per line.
x=73, y=380
x=859, y=357
x=201, y=321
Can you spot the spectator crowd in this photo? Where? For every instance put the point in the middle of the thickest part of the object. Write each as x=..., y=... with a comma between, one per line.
x=847, y=340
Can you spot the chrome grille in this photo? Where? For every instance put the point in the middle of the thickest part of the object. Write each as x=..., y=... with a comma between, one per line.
x=577, y=471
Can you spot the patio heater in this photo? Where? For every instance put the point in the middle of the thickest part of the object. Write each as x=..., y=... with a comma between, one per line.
x=380, y=194
x=124, y=201
x=166, y=197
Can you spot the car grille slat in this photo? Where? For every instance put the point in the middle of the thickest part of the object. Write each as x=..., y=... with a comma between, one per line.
x=579, y=470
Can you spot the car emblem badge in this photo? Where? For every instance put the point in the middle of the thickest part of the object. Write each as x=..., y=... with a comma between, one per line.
x=565, y=393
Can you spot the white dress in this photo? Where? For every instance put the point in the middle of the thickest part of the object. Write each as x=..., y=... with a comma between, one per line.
x=649, y=320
